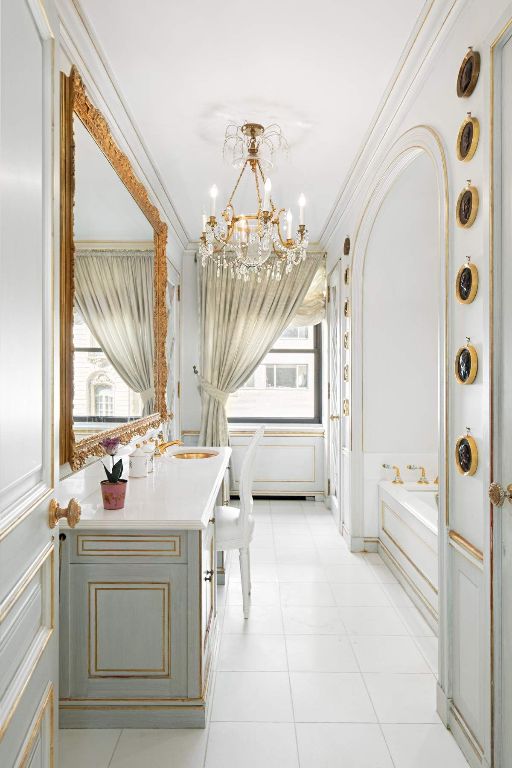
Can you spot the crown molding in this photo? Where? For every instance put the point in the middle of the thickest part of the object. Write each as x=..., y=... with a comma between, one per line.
x=80, y=45
x=433, y=25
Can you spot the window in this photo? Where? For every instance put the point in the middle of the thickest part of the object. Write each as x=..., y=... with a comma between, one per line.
x=286, y=386
x=286, y=376
x=103, y=400
x=100, y=394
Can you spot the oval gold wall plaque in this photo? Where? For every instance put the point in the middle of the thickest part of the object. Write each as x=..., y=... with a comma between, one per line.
x=467, y=140
x=466, y=455
x=466, y=364
x=346, y=276
x=466, y=283
x=346, y=340
x=467, y=206
x=346, y=246
x=469, y=71
x=346, y=308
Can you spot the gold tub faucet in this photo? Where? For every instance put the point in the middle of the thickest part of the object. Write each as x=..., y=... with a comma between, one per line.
x=423, y=477
x=397, y=478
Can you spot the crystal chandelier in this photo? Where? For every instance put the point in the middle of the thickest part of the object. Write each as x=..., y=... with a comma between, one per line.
x=253, y=244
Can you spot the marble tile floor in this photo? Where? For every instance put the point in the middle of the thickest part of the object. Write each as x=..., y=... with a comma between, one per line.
x=335, y=667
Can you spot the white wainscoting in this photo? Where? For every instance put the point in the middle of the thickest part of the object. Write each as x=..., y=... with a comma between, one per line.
x=290, y=461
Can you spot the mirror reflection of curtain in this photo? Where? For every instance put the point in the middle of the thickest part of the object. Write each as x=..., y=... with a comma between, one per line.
x=239, y=323
x=114, y=294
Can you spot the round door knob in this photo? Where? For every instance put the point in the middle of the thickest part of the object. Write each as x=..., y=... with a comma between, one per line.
x=72, y=513
x=497, y=494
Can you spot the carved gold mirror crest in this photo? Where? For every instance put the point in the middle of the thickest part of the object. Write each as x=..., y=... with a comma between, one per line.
x=82, y=124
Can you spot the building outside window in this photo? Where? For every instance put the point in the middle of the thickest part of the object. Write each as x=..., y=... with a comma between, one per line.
x=286, y=386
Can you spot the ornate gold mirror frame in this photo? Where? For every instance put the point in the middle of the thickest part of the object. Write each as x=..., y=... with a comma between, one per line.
x=74, y=100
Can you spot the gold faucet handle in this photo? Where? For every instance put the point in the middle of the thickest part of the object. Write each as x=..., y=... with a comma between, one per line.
x=72, y=513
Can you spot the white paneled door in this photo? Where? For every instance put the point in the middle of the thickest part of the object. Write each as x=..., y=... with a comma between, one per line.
x=334, y=392
x=502, y=417
x=28, y=547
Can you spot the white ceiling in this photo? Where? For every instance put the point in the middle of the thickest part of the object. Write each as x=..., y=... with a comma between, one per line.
x=187, y=69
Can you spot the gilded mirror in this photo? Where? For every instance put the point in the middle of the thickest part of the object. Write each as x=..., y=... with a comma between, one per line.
x=113, y=284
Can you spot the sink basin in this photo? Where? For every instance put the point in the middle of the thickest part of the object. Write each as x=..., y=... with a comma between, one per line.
x=194, y=455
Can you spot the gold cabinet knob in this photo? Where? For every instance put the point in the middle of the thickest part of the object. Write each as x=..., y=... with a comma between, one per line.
x=72, y=513
x=334, y=417
x=497, y=494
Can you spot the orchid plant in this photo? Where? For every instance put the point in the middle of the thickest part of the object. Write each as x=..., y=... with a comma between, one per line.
x=110, y=446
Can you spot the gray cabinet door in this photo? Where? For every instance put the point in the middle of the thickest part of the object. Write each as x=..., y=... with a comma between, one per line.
x=128, y=631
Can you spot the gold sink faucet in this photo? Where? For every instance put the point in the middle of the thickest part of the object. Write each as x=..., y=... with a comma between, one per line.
x=161, y=447
x=423, y=477
x=397, y=479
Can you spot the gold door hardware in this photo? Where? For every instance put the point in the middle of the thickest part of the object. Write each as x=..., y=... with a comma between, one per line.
x=334, y=417
x=497, y=494
x=72, y=513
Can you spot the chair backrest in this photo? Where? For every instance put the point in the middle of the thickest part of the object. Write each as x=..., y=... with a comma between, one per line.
x=247, y=477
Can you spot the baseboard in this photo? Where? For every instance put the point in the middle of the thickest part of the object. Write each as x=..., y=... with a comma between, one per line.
x=442, y=705
x=464, y=737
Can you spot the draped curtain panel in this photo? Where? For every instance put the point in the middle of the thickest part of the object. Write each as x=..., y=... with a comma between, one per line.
x=239, y=323
x=114, y=293
x=312, y=309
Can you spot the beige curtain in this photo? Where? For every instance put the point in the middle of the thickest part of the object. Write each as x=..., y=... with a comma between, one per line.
x=312, y=309
x=239, y=323
x=114, y=293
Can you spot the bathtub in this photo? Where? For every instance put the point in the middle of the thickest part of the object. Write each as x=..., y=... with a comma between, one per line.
x=408, y=542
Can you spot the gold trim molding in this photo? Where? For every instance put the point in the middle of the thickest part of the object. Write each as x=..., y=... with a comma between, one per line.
x=75, y=101
x=466, y=545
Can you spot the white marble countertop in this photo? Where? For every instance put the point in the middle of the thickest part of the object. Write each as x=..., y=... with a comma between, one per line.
x=179, y=494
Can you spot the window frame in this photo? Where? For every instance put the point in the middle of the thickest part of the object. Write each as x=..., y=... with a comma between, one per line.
x=316, y=351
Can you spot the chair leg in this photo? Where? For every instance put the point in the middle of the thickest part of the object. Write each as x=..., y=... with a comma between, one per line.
x=249, y=568
x=244, y=574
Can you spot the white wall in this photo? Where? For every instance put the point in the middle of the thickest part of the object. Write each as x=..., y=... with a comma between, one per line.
x=400, y=305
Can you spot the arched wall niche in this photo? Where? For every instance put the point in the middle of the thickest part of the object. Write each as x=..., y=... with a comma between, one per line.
x=419, y=142
x=400, y=299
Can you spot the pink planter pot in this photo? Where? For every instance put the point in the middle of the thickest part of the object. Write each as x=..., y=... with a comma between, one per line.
x=113, y=494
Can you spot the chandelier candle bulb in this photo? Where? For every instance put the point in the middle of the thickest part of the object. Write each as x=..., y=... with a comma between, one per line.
x=266, y=199
x=302, y=203
x=289, y=220
x=213, y=199
x=204, y=222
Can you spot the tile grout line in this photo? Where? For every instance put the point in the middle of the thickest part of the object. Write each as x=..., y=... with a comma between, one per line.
x=115, y=747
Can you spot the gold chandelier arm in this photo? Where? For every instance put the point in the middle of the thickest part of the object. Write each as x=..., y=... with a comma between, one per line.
x=230, y=201
x=258, y=193
x=263, y=177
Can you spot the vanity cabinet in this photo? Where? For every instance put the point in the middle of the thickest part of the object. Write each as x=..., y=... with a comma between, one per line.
x=137, y=595
x=129, y=633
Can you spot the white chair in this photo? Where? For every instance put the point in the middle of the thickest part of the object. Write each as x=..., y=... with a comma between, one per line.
x=234, y=527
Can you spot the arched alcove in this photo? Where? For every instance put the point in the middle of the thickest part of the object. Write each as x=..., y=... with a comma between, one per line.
x=400, y=321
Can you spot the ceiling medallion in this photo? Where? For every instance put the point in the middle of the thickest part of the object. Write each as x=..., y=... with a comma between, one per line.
x=253, y=244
